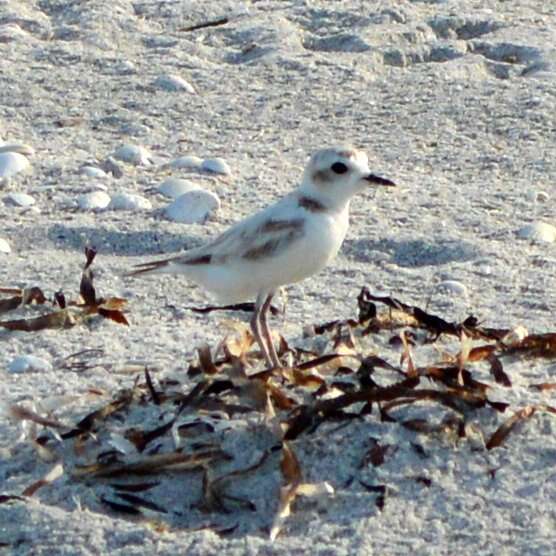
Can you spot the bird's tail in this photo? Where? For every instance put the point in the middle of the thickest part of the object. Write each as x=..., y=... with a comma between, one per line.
x=153, y=267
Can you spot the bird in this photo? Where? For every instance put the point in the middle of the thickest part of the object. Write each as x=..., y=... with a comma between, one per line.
x=288, y=241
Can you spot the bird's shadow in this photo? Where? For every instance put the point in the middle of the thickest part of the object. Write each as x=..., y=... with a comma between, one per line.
x=115, y=242
x=412, y=253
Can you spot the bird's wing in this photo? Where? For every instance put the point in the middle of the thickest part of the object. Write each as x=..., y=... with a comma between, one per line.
x=255, y=238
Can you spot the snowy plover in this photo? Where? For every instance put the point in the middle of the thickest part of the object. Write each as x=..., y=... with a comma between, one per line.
x=282, y=244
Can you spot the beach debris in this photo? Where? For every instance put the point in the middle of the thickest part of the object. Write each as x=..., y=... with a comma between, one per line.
x=205, y=24
x=293, y=487
x=12, y=163
x=216, y=166
x=538, y=231
x=55, y=473
x=93, y=172
x=173, y=83
x=67, y=313
x=19, y=200
x=333, y=378
x=452, y=287
x=133, y=154
x=193, y=207
x=5, y=246
x=175, y=187
x=20, y=148
x=187, y=162
x=27, y=363
x=95, y=200
x=25, y=296
x=129, y=202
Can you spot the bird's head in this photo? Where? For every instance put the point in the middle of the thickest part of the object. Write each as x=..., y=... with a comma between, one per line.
x=334, y=175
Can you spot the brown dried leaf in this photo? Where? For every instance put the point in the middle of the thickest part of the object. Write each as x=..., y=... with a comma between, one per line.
x=379, y=489
x=87, y=423
x=505, y=428
x=535, y=345
x=9, y=498
x=480, y=353
x=497, y=371
x=175, y=461
x=291, y=471
x=56, y=472
x=116, y=316
x=23, y=414
x=59, y=319
x=544, y=386
x=376, y=454
x=205, y=360
x=118, y=507
x=318, y=361
x=141, y=439
x=139, y=502
x=10, y=304
x=136, y=487
x=300, y=378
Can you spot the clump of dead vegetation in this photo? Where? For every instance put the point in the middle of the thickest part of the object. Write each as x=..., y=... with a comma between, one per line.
x=225, y=386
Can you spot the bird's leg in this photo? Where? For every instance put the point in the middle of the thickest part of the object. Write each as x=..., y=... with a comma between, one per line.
x=256, y=328
x=266, y=332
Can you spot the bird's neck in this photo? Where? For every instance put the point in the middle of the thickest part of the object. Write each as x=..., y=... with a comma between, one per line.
x=316, y=200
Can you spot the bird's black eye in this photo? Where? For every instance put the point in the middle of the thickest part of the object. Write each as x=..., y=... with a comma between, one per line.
x=339, y=168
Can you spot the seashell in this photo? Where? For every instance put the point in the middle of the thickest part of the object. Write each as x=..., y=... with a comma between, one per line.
x=216, y=166
x=452, y=287
x=187, y=162
x=20, y=148
x=193, y=207
x=133, y=154
x=4, y=246
x=125, y=67
x=129, y=201
x=19, y=200
x=11, y=163
x=538, y=231
x=96, y=200
x=175, y=187
x=24, y=363
x=93, y=172
x=173, y=83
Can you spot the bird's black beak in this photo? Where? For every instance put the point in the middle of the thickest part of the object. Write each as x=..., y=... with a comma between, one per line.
x=378, y=180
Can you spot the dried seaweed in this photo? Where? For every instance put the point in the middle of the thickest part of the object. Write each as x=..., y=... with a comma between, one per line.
x=68, y=314
x=322, y=386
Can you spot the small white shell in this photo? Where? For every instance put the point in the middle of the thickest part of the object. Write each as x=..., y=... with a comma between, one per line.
x=217, y=166
x=93, y=172
x=11, y=163
x=537, y=196
x=134, y=154
x=4, y=246
x=19, y=200
x=174, y=187
x=24, y=363
x=538, y=231
x=193, y=207
x=95, y=200
x=187, y=162
x=20, y=148
x=452, y=287
x=173, y=83
x=125, y=67
x=129, y=201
